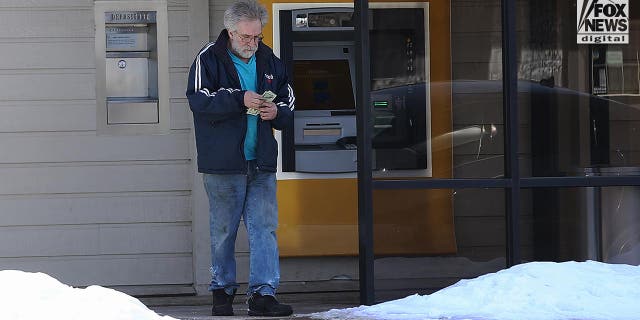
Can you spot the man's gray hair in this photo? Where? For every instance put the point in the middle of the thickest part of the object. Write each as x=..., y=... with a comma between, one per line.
x=245, y=10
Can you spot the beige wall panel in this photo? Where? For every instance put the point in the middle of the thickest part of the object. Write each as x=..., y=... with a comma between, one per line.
x=53, y=210
x=43, y=23
x=146, y=238
x=110, y=200
x=30, y=116
x=48, y=86
x=217, y=24
x=179, y=53
x=86, y=146
x=180, y=114
x=28, y=4
x=109, y=270
x=47, y=55
x=91, y=240
x=199, y=34
x=92, y=178
x=174, y=3
x=178, y=23
x=48, y=116
x=178, y=82
x=216, y=13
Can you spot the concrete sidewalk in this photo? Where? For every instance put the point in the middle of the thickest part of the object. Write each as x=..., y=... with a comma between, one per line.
x=199, y=307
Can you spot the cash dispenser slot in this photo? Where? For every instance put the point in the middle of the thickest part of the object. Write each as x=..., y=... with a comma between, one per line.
x=322, y=129
x=317, y=148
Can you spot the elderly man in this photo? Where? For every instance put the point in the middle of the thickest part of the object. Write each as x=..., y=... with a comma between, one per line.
x=239, y=92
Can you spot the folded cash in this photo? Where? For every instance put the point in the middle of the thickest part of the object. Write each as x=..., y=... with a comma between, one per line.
x=254, y=112
x=268, y=96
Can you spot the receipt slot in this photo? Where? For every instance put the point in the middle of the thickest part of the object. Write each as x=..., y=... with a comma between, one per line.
x=132, y=89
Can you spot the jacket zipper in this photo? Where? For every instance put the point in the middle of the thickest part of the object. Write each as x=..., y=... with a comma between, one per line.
x=260, y=88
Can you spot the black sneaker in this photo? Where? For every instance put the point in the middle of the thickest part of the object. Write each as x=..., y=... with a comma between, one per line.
x=267, y=306
x=222, y=303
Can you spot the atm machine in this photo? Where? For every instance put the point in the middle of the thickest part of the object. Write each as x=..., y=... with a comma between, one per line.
x=319, y=48
x=322, y=62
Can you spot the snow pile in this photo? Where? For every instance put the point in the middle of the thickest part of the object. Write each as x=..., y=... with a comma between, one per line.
x=31, y=296
x=538, y=290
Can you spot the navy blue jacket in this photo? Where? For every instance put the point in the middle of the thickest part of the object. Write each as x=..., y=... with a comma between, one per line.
x=219, y=115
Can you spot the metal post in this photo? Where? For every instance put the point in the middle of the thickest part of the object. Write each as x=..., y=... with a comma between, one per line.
x=364, y=127
x=510, y=118
x=597, y=206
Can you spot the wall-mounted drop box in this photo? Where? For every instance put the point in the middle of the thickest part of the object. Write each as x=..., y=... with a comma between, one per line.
x=132, y=74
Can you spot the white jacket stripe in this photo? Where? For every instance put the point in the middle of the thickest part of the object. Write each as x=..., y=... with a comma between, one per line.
x=292, y=98
x=206, y=92
x=198, y=72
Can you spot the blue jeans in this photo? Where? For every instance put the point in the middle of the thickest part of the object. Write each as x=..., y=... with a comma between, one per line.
x=252, y=197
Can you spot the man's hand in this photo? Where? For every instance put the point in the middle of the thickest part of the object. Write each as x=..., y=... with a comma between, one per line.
x=252, y=100
x=268, y=110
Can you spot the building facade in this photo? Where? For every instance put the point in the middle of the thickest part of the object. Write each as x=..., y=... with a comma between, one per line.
x=98, y=183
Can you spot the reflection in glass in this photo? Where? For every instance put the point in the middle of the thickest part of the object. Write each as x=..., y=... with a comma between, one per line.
x=428, y=239
x=582, y=110
x=590, y=223
x=399, y=93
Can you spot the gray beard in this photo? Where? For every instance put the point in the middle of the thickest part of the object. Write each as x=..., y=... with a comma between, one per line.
x=245, y=54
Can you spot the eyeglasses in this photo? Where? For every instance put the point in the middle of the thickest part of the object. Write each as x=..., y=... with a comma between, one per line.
x=249, y=38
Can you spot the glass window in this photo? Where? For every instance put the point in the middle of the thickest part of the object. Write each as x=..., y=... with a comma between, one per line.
x=578, y=102
x=450, y=121
x=435, y=237
x=437, y=90
x=476, y=132
x=590, y=223
x=400, y=88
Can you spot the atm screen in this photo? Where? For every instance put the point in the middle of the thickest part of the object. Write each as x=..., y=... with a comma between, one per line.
x=322, y=85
